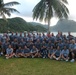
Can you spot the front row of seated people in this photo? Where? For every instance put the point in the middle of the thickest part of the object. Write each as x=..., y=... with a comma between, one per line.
x=52, y=52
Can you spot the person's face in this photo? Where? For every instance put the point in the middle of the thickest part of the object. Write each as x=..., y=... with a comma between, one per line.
x=64, y=47
x=19, y=47
x=34, y=47
x=9, y=46
x=25, y=47
x=58, y=48
x=51, y=47
x=16, y=33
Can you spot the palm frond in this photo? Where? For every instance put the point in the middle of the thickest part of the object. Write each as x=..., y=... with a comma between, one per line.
x=11, y=3
x=60, y=9
x=5, y=11
x=37, y=10
x=4, y=17
x=46, y=9
x=65, y=1
x=12, y=10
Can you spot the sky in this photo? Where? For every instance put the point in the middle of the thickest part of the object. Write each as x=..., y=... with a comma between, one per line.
x=26, y=6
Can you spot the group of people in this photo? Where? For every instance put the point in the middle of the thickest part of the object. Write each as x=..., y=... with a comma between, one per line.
x=40, y=45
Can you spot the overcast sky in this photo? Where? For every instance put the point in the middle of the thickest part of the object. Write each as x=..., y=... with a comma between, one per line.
x=26, y=6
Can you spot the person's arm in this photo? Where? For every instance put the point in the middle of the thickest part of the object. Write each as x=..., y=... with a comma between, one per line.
x=12, y=50
x=7, y=52
x=31, y=51
x=17, y=51
x=54, y=52
x=67, y=52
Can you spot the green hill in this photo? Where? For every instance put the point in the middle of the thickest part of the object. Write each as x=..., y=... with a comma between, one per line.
x=19, y=25
x=65, y=26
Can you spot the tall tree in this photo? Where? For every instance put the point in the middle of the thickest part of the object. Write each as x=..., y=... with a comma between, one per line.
x=46, y=9
x=5, y=9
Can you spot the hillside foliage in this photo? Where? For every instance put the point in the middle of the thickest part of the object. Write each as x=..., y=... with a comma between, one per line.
x=19, y=25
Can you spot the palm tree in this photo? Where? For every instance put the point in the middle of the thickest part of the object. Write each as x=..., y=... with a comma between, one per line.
x=46, y=9
x=5, y=9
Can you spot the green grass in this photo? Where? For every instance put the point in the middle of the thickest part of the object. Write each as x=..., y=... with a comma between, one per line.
x=36, y=66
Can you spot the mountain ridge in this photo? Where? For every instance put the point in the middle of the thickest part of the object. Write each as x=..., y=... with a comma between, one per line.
x=64, y=26
x=18, y=24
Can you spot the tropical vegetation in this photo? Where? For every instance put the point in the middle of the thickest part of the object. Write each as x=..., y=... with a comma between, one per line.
x=46, y=9
x=18, y=24
x=5, y=9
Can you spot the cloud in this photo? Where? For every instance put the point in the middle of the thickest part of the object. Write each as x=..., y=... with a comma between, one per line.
x=71, y=7
x=26, y=6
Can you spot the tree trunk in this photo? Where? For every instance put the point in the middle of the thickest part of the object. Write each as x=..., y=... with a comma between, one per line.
x=49, y=16
x=48, y=25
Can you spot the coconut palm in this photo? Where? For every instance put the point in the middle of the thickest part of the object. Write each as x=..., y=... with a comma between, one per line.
x=46, y=9
x=5, y=9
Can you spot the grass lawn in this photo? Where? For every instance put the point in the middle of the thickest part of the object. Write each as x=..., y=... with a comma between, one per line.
x=36, y=66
